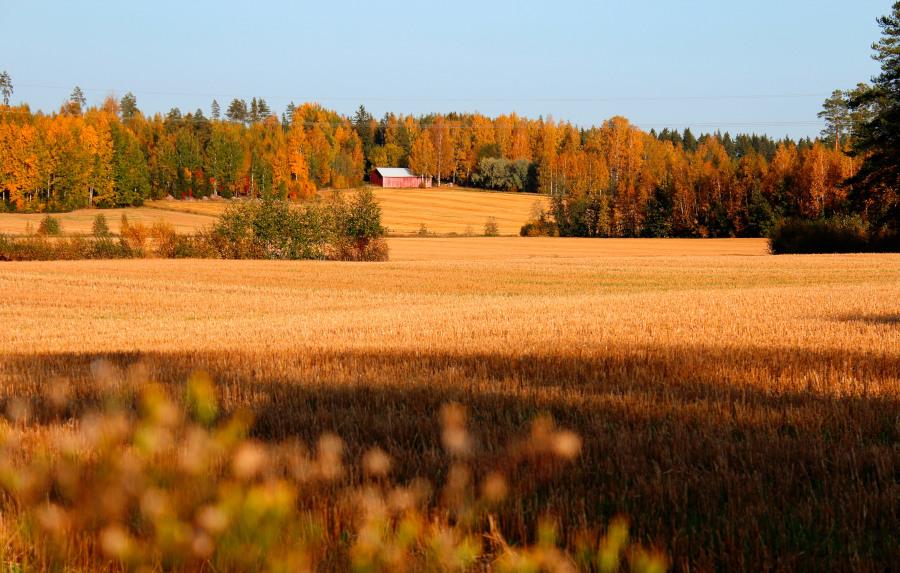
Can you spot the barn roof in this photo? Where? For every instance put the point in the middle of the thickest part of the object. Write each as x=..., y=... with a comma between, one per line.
x=395, y=172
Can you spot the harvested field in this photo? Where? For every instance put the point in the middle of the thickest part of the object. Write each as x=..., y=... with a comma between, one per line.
x=404, y=211
x=742, y=410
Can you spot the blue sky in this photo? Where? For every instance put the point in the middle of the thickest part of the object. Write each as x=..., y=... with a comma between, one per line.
x=700, y=63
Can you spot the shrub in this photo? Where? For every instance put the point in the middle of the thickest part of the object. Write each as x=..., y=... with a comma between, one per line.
x=373, y=250
x=490, y=227
x=169, y=244
x=169, y=486
x=794, y=236
x=541, y=226
x=134, y=237
x=100, y=228
x=423, y=230
x=271, y=229
x=361, y=218
x=107, y=248
x=39, y=248
x=357, y=233
x=49, y=227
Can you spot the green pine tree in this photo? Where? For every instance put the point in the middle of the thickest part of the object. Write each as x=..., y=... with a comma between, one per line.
x=6, y=87
x=237, y=111
x=131, y=178
x=128, y=106
x=876, y=188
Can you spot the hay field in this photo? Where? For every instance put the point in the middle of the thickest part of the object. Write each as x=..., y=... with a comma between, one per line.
x=743, y=410
x=443, y=211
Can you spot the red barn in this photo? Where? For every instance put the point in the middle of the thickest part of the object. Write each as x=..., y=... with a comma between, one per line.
x=397, y=177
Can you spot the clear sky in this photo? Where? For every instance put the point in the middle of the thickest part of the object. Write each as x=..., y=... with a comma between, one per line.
x=762, y=66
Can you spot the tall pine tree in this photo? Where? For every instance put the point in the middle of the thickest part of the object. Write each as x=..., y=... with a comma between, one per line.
x=128, y=106
x=877, y=185
x=6, y=87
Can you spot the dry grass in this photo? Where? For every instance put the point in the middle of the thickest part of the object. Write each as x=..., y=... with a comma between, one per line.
x=742, y=410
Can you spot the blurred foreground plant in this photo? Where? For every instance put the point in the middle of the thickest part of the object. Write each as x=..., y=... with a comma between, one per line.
x=166, y=487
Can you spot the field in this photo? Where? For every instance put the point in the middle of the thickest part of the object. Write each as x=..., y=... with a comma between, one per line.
x=741, y=409
x=80, y=222
x=442, y=212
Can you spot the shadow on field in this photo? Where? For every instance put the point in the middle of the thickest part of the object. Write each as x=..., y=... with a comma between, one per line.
x=754, y=459
x=888, y=318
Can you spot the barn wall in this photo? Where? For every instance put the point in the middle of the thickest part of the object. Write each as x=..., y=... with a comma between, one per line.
x=402, y=182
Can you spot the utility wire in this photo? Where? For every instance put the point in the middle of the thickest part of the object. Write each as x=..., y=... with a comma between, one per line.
x=456, y=99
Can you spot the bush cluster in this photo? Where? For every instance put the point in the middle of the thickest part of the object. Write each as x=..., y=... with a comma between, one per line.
x=542, y=226
x=846, y=235
x=49, y=227
x=491, y=229
x=268, y=229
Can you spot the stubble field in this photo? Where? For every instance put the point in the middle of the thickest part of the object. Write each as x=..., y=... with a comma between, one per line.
x=743, y=410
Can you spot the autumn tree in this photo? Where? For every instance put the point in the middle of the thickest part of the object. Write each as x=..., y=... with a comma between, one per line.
x=422, y=156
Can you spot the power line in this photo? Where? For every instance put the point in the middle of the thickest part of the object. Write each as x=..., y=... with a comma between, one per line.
x=381, y=99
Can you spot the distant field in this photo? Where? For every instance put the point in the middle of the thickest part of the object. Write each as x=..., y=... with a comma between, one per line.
x=404, y=211
x=451, y=211
x=740, y=409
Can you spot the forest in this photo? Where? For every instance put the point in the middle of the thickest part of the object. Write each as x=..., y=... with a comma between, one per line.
x=614, y=180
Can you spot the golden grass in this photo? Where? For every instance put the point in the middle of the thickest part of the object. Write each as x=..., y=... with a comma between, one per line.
x=742, y=410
